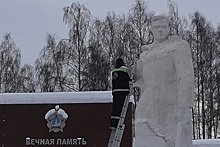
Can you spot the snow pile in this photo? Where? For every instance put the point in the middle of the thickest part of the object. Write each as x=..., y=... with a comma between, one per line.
x=206, y=143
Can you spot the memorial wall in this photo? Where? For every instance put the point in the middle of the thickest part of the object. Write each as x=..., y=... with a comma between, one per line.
x=58, y=120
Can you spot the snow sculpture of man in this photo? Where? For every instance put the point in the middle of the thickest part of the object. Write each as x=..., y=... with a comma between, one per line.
x=164, y=72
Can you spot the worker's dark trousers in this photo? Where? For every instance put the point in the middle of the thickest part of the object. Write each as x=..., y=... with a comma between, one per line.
x=118, y=102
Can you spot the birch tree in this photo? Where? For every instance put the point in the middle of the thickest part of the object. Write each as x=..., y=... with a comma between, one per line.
x=10, y=59
x=78, y=18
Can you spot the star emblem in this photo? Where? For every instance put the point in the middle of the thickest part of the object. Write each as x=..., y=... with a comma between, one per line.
x=56, y=119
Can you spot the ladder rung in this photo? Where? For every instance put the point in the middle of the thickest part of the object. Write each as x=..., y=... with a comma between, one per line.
x=115, y=117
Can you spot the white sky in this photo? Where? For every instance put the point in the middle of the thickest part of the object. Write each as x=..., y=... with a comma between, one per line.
x=29, y=21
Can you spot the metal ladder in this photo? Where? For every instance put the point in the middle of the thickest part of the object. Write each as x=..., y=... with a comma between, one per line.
x=116, y=134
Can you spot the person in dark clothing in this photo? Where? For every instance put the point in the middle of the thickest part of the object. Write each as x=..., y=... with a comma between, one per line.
x=120, y=88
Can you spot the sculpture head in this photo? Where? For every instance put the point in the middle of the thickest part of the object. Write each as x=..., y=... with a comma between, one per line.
x=160, y=28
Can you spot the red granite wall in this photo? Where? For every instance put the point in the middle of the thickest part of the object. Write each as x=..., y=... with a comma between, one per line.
x=87, y=125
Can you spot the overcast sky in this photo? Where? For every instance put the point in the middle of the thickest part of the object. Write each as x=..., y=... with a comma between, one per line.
x=29, y=21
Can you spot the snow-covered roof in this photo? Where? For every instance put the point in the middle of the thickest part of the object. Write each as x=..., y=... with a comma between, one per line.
x=57, y=97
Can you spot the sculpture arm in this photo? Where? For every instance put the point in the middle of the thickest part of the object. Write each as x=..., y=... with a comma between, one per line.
x=185, y=85
x=138, y=68
x=185, y=77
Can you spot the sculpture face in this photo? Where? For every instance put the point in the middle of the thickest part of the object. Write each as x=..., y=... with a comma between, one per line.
x=161, y=30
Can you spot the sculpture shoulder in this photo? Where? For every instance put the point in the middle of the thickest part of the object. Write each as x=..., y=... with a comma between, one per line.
x=145, y=48
x=182, y=49
x=175, y=38
x=183, y=45
x=173, y=43
x=178, y=43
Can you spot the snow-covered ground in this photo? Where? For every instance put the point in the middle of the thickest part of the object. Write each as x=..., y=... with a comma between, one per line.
x=203, y=143
x=206, y=143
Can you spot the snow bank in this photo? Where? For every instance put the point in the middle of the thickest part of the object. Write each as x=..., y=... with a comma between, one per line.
x=57, y=97
x=201, y=143
x=206, y=143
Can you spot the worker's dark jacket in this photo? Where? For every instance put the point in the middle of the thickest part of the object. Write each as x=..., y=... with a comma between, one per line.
x=120, y=79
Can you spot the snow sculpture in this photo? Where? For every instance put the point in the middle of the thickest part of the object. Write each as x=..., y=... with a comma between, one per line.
x=164, y=72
